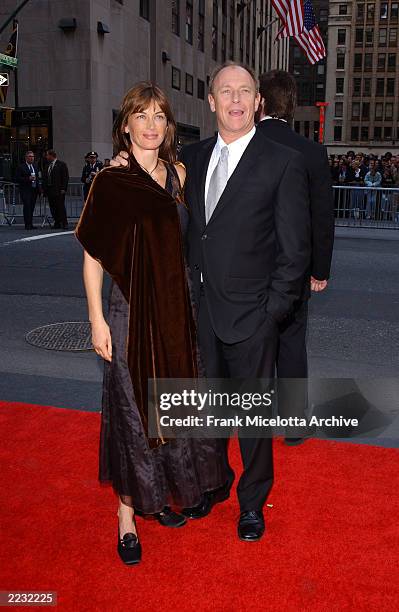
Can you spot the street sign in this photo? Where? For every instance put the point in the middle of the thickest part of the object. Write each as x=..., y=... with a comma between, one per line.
x=7, y=60
x=4, y=79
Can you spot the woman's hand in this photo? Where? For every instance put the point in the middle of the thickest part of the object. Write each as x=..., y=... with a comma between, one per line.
x=101, y=339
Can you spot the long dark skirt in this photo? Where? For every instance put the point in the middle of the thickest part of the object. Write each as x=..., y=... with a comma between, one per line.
x=176, y=473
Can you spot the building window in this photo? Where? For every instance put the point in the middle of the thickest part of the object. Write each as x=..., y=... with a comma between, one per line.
x=357, y=86
x=393, y=37
x=382, y=37
x=248, y=35
x=316, y=130
x=387, y=132
x=306, y=129
x=201, y=89
x=341, y=60
x=189, y=84
x=323, y=15
x=366, y=110
x=176, y=78
x=368, y=62
x=337, y=133
x=189, y=22
x=343, y=9
x=391, y=62
x=381, y=59
x=339, y=109
x=378, y=133
x=357, y=62
x=339, y=86
x=223, y=47
x=388, y=110
x=378, y=110
x=367, y=87
x=201, y=32
x=394, y=11
x=390, y=87
x=379, y=90
x=359, y=36
x=297, y=127
x=355, y=110
x=145, y=9
x=384, y=10
x=360, y=12
x=176, y=17
x=370, y=12
x=364, y=133
x=215, y=19
x=355, y=132
x=232, y=29
x=341, y=38
x=369, y=37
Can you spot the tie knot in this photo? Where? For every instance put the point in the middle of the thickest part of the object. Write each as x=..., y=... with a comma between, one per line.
x=224, y=153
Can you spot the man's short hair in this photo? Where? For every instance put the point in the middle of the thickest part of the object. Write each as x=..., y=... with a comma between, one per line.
x=231, y=64
x=29, y=153
x=51, y=152
x=278, y=92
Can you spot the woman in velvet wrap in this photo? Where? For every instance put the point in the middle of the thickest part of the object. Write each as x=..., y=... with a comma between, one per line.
x=133, y=226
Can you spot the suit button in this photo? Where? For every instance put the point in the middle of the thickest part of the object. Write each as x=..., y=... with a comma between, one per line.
x=204, y=237
x=196, y=267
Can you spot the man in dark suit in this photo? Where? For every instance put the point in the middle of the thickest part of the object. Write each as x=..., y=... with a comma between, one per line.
x=56, y=180
x=249, y=251
x=90, y=169
x=27, y=177
x=276, y=112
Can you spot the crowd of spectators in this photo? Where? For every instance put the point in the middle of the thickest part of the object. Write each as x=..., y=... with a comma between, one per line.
x=357, y=170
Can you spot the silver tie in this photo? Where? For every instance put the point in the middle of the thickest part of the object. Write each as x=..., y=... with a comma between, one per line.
x=217, y=184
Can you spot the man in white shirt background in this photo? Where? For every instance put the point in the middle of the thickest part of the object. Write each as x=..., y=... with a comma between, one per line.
x=28, y=180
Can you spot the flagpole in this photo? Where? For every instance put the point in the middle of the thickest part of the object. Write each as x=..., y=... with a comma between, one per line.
x=11, y=17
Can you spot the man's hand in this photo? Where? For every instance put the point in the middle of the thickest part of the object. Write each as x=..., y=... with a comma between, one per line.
x=62, y=191
x=120, y=159
x=317, y=285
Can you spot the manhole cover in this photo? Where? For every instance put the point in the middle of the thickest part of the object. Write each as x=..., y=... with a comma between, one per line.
x=71, y=336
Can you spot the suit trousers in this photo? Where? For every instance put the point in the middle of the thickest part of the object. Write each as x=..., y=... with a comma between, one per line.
x=292, y=363
x=251, y=358
x=28, y=197
x=57, y=208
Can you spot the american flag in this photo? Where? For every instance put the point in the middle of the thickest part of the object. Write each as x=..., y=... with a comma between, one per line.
x=291, y=15
x=299, y=21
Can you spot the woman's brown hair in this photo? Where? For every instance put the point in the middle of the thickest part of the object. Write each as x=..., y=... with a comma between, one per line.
x=136, y=100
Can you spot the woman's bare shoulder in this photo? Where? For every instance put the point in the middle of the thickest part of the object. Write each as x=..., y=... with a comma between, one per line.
x=181, y=171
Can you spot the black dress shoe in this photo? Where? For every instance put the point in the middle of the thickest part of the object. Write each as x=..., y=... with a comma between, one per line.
x=251, y=526
x=294, y=441
x=129, y=549
x=209, y=499
x=56, y=226
x=30, y=227
x=168, y=518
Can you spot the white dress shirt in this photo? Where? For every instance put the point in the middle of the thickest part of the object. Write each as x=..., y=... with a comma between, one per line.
x=270, y=117
x=236, y=150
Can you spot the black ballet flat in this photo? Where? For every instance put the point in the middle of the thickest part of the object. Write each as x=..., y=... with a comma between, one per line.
x=129, y=548
x=168, y=518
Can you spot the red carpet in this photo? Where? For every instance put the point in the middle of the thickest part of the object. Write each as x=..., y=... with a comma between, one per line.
x=331, y=542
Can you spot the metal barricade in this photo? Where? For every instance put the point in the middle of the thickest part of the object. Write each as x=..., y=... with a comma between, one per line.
x=366, y=206
x=11, y=207
x=8, y=202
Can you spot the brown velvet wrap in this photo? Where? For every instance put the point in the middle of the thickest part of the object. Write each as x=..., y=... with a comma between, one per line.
x=131, y=225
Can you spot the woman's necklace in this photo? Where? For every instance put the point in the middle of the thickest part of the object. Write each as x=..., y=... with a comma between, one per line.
x=152, y=171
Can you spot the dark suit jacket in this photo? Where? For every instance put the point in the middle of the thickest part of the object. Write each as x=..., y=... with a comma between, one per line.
x=22, y=177
x=320, y=192
x=255, y=250
x=59, y=179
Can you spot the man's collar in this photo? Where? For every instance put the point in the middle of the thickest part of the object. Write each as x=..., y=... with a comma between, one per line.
x=242, y=141
x=270, y=117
